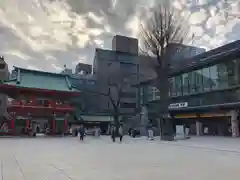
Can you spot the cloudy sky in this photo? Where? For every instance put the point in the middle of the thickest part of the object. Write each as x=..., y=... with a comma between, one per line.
x=46, y=34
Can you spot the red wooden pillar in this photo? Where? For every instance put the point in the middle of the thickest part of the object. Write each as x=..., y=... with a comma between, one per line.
x=13, y=125
x=54, y=126
x=27, y=125
x=65, y=125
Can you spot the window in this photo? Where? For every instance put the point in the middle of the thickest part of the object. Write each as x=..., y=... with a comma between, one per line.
x=206, y=79
x=156, y=93
x=40, y=102
x=179, y=86
x=128, y=68
x=2, y=65
x=172, y=85
x=192, y=81
x=141, y=91
x=128, y=94
x=126, y=57
x=199, y=80
x=185, y=83
x=222, y=75
x=231, y=72
x=150, y=93
x=128, y=105
x=90, y=82
x=214, y=77
x=46, y=103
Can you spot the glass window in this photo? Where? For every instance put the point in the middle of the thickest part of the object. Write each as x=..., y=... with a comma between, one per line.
x=192, y=82
x=126, y=57
x=238, y=71
x=150, y=93
x=222, y=75
x=214, y=77
x=172, y=85
x=141, y=91
x=90, y=82
x=105, y=54
x=127, y=105
x=179, y=85
x=128, y=68
x=185, y=83
x=156, y=93
x=206, y=79
x=199, y=80
x=231, y=72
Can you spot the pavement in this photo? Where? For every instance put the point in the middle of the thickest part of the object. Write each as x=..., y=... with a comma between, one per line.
x=199, y=158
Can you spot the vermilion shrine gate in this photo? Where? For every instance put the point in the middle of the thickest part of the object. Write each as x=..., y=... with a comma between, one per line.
x=38, y=99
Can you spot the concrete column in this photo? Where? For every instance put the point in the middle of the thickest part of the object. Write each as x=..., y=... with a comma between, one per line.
x=234, y=123
x=143, y=121
x=199, y=128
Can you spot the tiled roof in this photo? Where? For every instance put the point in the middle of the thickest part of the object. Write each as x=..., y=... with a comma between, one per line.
x=40, y=80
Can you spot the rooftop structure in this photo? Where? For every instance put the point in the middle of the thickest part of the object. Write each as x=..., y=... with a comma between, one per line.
x=82, y=68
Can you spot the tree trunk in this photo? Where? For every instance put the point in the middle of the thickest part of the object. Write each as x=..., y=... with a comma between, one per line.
x=116, y=121
x=166, y=130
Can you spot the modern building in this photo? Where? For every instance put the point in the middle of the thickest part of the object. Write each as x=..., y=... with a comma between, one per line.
x=115, y=70
x=204, y=91
x=87, y=108
x=182, y=51
x=82, y=68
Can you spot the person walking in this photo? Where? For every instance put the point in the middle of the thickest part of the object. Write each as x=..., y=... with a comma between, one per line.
x=150, y=131
x=120, y=131
x=113, y=133
x=81, y=132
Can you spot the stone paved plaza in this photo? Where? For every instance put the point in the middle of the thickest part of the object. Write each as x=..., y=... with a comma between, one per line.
x=205, y=158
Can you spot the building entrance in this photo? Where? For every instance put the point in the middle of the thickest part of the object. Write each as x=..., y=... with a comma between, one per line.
x=214, y=124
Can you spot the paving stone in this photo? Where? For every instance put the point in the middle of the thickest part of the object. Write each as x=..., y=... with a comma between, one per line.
x=204, y=158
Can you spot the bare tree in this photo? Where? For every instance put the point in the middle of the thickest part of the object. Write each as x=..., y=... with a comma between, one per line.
x=162, y=36
x=117, y=82
x=114, y=94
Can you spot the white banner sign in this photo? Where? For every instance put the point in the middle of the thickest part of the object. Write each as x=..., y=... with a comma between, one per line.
x=178, y=105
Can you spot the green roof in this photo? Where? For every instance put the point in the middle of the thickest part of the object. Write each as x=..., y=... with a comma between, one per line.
x=26, y=78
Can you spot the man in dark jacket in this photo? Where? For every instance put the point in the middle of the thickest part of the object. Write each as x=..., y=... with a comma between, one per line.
x=82, y=132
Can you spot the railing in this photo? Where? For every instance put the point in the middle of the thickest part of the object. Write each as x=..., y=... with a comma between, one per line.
x=22, y=103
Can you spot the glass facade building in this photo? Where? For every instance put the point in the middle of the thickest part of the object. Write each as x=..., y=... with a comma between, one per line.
x=213, y=84
x=215, y=77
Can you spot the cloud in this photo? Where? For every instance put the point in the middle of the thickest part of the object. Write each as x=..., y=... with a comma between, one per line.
x=57, y=68
x=198, y=17
x=34, y=68
x=18, y=54
x=51, y=33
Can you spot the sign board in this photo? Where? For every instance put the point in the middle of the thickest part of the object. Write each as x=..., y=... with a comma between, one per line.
x=178, y=105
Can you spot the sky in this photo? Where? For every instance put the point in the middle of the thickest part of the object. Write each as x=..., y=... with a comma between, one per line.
x=47, y=34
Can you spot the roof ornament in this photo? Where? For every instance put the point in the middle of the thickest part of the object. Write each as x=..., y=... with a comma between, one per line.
x=1, y=58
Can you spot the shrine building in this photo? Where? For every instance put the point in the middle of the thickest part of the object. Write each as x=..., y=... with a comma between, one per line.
x=38, y=98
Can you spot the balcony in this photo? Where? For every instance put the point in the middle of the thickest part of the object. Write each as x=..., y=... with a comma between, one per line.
x=45, y=105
